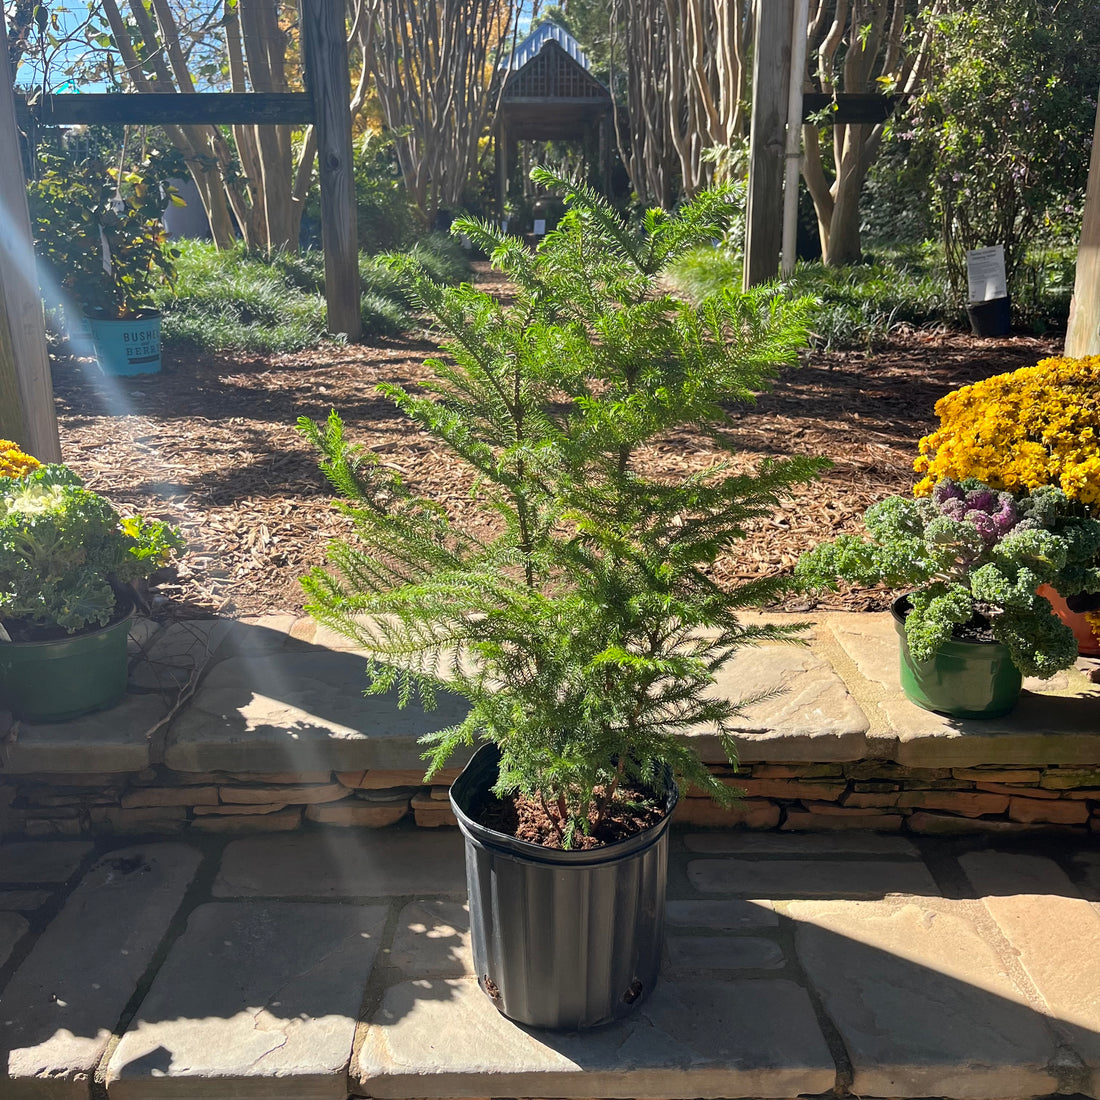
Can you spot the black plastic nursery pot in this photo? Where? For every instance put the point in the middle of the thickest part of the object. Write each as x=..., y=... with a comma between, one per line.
x=963, y=679
x=992, y=318
x=64, y=678
x=562, y=939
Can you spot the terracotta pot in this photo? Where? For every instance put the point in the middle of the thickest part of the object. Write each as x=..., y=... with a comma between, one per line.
x=1088, y=644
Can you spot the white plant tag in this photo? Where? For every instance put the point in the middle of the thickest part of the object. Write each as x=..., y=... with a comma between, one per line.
x=985, y=273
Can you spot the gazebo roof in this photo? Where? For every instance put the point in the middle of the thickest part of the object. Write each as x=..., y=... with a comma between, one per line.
x=544, y=32
x=552, y=95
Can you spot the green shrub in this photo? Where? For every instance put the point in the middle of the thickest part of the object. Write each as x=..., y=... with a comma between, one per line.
x=384, y=219
x=585, y=635
x=77, y=210
x=232, y=300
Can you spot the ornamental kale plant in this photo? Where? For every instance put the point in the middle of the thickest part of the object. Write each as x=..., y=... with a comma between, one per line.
x=586, y=633
x=972, y=553
x=65, y=553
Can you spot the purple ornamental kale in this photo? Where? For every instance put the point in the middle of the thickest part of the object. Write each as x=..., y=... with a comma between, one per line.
x=945, y=491
x=993, y=514
x=982, y=500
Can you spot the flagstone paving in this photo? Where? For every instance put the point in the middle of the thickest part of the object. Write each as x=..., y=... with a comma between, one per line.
x=323, y=966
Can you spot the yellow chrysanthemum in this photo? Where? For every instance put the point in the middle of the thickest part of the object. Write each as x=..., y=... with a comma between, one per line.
x=1017, y=431
x=13, y=461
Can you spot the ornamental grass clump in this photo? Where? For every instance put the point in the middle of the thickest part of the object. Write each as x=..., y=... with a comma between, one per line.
x=66, y=555
x=585, y=634
x=1032, y=427
x=973, y=557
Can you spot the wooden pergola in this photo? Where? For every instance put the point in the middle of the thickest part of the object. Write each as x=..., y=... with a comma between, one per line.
x=26, y=392
x=551, y=96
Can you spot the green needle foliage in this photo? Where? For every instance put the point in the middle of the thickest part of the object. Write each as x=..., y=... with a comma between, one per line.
x=586, y=634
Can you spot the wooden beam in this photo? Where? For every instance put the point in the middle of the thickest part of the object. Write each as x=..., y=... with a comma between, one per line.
x=325, y=57
x=24, y=363
x=1083, y=334
x=767, y=138
x=163, y=108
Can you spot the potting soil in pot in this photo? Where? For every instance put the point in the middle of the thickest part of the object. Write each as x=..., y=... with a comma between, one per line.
x=525, y=818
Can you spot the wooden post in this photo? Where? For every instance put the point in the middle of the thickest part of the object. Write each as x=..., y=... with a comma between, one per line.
x=770, y=79
x=26, y=390
x=792, y=151
x=325, y=56
x=1083, y=334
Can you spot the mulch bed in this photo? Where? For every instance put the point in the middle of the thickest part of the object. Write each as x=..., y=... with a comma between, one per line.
x=210, y=445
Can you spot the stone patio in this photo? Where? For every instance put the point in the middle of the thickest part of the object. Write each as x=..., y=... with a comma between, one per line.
x=335, y=964
x=314, y=958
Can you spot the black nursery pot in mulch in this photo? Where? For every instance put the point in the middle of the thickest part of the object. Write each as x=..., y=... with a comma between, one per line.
x=992, y=318
x=562, y=939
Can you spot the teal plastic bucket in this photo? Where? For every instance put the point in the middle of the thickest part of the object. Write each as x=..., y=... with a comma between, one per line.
x=130, y=346
x=81, y=343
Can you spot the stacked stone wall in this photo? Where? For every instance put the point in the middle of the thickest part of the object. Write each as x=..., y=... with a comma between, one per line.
x=875, y=795
x=884, y=796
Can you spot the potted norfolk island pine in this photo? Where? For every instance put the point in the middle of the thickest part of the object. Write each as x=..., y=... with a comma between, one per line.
x=973, y=621
x=68, y=562
x=585, y=629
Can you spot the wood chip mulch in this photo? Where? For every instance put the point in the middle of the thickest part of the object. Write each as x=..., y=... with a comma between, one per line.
x=210, y=445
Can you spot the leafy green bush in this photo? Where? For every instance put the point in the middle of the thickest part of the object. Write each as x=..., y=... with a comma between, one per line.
x=383, y=216
x=1007, y=123
x=966, y=551
x=586, y=634
x=76, y=209
x=65, y=552
x=855, y=305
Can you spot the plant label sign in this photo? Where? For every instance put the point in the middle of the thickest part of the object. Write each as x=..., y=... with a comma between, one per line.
x=985, y=273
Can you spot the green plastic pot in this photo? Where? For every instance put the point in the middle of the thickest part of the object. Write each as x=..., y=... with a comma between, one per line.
x=57, y=680
x=963, y=679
